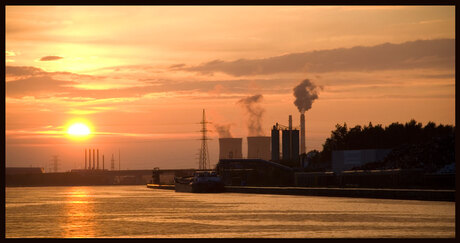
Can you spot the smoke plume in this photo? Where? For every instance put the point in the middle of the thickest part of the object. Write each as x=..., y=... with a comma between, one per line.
x=255, y=112
x=305, y=93
x=223, y=130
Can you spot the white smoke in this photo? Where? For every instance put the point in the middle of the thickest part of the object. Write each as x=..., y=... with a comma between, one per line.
x=254, y=112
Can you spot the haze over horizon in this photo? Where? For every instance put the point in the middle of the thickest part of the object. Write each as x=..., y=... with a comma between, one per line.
x=141, y=75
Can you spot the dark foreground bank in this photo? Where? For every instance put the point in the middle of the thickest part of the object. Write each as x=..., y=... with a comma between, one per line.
x=406, y=194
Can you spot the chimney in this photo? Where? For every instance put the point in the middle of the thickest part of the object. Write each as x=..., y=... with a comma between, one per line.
x=86, y=158
x=290, y=136
x=102, y=162
x=97, y=159
x=94, y=159
x=302, y=133
x=89, y=156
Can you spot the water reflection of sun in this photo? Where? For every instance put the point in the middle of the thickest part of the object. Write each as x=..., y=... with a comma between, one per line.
x=79, y=214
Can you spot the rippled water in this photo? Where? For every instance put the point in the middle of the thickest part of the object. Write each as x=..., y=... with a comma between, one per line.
x=139, y=212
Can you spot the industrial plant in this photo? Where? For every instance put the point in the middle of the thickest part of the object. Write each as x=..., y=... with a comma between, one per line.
x=275, y=148
x=266, y=156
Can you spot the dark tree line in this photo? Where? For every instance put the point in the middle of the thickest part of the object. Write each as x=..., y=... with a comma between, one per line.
x=396, y=136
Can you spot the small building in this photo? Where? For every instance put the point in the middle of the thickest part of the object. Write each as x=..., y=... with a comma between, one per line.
x=23, y=170
x=347, y=159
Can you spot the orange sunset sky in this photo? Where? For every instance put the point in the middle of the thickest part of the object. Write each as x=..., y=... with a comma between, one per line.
x=140, y=76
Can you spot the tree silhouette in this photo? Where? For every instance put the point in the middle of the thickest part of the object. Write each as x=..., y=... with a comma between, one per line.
x=408, y=141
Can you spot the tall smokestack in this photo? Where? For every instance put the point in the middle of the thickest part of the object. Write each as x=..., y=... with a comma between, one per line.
x=302, y=133
x=94, y=159
x=290, y=122
x=305, y=94
x=89, y=156
x=86, y=158
x=102, y=162
x=97, y=159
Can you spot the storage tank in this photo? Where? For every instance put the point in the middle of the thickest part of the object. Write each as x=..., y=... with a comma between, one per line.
x=230, y=148
x=259, y=148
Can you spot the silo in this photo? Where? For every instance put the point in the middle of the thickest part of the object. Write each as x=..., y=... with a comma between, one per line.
x=275, y=143
x=286, y=144
x=295, y=145
x=259, y=148
x=290, y=145
x=230, y=148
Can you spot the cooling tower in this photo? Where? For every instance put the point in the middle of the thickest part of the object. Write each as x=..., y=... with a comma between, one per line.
x=230, y=148
x=259, y=148
x=302, y=134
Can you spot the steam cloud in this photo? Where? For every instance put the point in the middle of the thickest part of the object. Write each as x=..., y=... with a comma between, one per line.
x=305, y=93
x=255, y=113
x=223, y=130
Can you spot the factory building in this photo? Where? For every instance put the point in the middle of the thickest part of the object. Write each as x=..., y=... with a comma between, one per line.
x=230, y=148
x=259, y=148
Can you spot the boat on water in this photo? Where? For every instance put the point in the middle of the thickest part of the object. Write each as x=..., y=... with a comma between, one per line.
x=201, y=181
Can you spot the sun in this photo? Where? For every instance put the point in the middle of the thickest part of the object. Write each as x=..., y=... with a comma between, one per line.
x=78, y=130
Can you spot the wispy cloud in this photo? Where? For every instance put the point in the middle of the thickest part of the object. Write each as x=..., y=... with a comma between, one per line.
x=436, y=54
x=50, y=58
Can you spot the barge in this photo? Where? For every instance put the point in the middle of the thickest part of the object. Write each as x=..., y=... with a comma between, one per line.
x=201, y=181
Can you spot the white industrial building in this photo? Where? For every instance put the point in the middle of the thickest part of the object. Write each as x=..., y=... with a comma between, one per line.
x=347, y=159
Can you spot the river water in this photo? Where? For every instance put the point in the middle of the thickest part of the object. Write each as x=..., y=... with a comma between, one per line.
x=140, y=212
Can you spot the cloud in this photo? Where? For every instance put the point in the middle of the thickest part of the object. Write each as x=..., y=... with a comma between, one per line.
x=18, y=71
x=37, y=86
x=436, y=54
x=50, y=58
x=10, y=53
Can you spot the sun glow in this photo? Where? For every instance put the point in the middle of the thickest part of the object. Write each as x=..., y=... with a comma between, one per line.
x=78, y=130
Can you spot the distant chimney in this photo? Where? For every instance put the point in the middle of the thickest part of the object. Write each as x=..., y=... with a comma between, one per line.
x=94, y=159
x=89, y=156
x=302, y=134
x=86, y=158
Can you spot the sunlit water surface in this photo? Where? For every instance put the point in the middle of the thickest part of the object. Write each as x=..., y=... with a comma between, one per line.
x=139, y=212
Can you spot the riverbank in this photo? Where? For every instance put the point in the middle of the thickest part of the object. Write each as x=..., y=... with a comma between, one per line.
x=406, y=194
